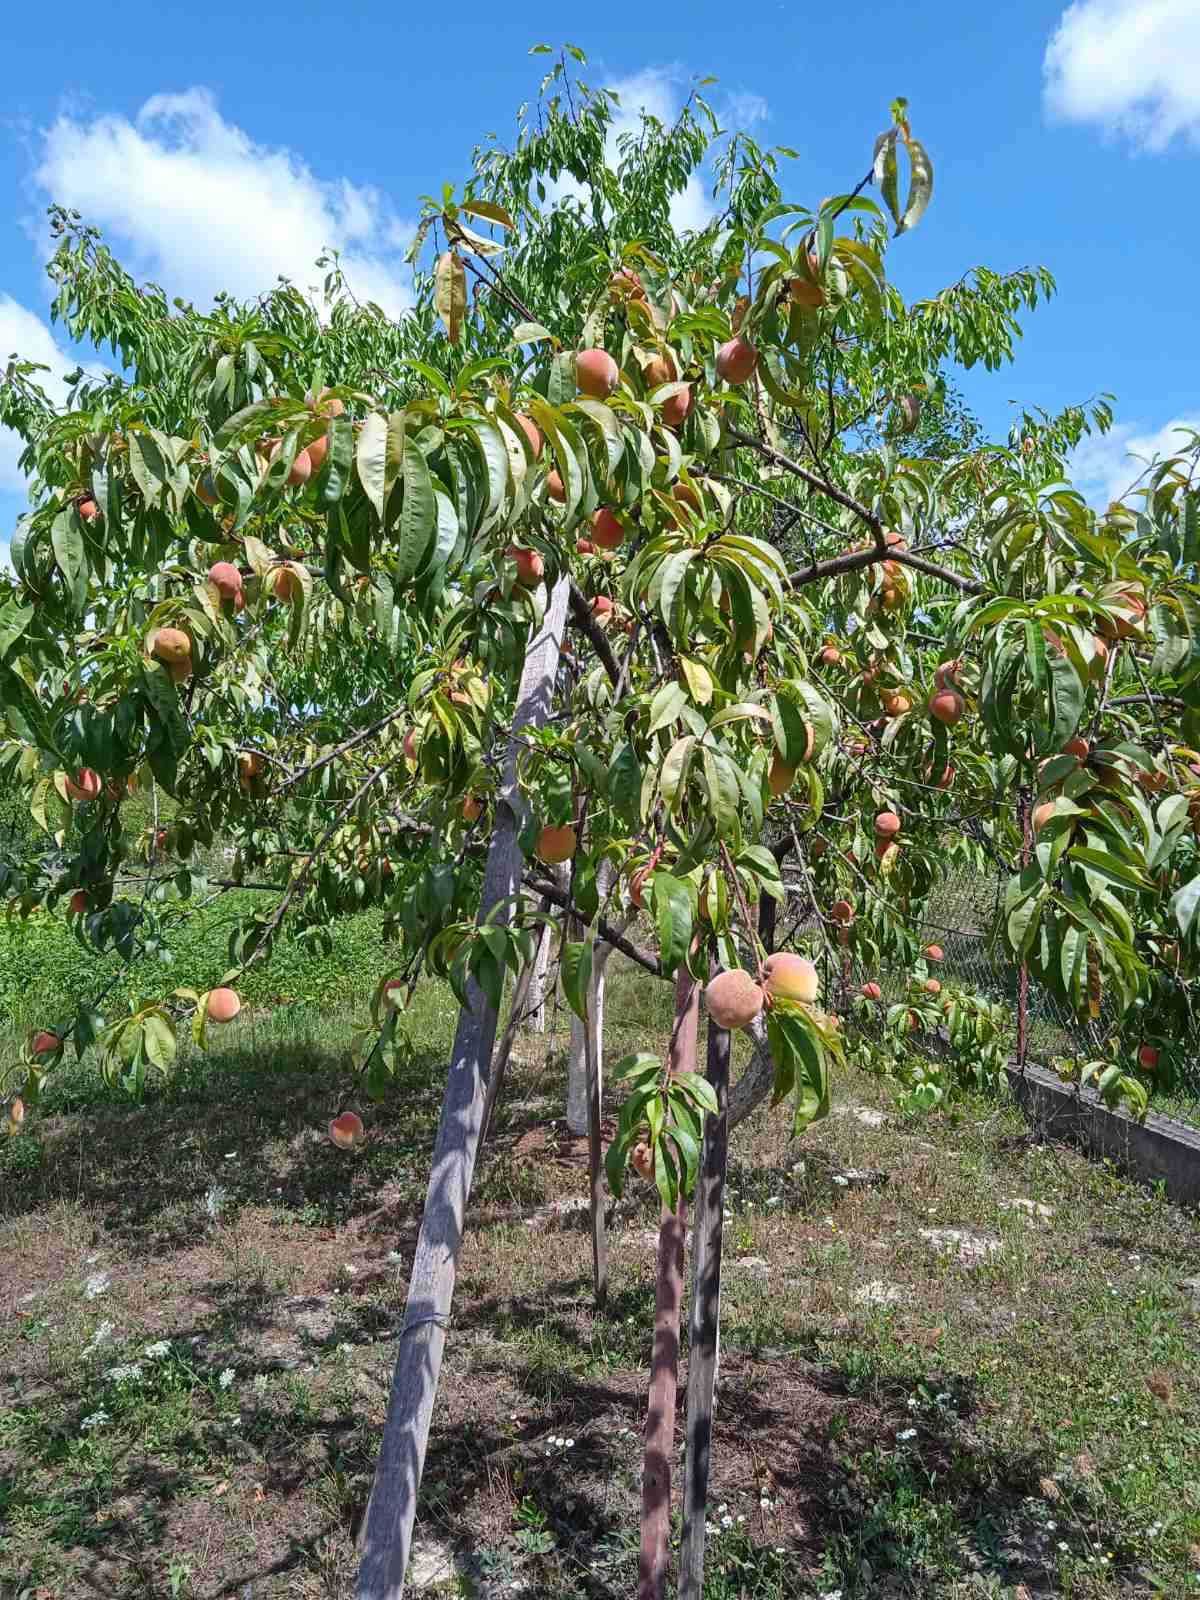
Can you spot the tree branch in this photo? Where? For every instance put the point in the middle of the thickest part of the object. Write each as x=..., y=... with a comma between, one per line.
x=581, y=614
x=610, y=935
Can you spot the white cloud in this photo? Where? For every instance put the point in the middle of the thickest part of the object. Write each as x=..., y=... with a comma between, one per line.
x=24, y=334
x=1105, y=466
x=655, y=92
x=193, y=202
x=1130, y=65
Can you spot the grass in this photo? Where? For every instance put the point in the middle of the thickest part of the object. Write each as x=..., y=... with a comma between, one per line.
x=200, y=1299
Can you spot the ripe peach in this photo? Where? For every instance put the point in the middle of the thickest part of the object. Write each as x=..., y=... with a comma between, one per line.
x=894, y=539
x=871, y=991
x=676, y=407
x=531, y=569
x=585, y=547
x=530, y=429
x=393, y=994
x=602, y=609
x=88, y=509
x=897, y=703
x=301, y=470
x=608, y=532
x=1077, y=747
x=945, y=675
x=325, y=404
x=44, y=1043
x=625, y=284
x=555, y=488
x=687, y=495
x=223, y=1005
x=736, y=361
x=934, y=952
x=932, y=986
x=790, y=977
x=1147, y=1057
x=842, y=911
x=781, y=777
x=250, y=765
x=947, y=706
x=642, y=1161
x=225, y=579
x=555, y=844
x=804, y=292
x=733, y=999
x=317, y=451
x=887, y=825
x=472, y=808
x=345, y=1131
x=286, y=585
x=79, y=902
x=85, y=785
x=170, y=644
x=1043, y=815
x=596, y=373
x=660, y=369
x=830, y=656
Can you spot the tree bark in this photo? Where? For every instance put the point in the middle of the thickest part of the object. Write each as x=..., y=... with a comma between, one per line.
x=387, y=1528
x=705, y=1324
x=664, y=1361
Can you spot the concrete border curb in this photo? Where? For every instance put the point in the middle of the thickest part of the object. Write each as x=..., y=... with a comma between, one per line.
x=1157, y=1151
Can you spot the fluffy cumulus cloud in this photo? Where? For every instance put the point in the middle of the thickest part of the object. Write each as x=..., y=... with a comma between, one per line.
x=192, y=201
x=1130, y=65
x=24, y=334
x=658, y=92
x=1107, y=465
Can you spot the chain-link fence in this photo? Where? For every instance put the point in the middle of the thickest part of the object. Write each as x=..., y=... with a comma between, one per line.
x=964, y=918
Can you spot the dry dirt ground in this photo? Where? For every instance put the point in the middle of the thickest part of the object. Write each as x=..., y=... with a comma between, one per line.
x=955, y=1362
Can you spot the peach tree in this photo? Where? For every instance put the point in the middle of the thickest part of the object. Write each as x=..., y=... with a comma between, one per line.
x=307, y=571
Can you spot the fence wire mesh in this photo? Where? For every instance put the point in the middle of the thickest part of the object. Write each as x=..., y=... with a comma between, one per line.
x=964, y=917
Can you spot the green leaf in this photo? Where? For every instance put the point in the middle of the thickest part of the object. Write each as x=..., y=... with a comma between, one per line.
x=14, y=619
x=699, y=1089
x=1185, y=902
x=530, y=333
x=673, y=916
x=158, y=1039
x=576, y=976
x=920, y=187
x=1108, y=866
x=666, y=706
x=640, y=1064
x=370, y=457
x=66, y=540
x=417, y=514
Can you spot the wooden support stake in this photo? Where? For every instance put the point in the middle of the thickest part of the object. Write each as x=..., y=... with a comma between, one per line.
x=387, y=1529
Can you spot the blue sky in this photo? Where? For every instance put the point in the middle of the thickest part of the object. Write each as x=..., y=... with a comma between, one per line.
x=219, y=148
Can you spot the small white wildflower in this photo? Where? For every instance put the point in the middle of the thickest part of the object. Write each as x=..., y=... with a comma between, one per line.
x=99, y=1283
x=214, y=1201
x=710, y=1527
x=840, y=1180
x=349, y=1269
x=741, y=1519
x=1051, y=1525
x=722, y=1508
x=727, y=1522
x=569, y=1443
x=774, y=1200
x=130, y=1372
x=780, y=1550
x=231, y=1155
x=906, y=1434
x=345, y=1349
x=832, y=1594
x=1063, y=1545
x=97, y=1419
x=765, y=1504
x=395, y=1257
x=158, y=1351
x=103, y=1332
x=913, y=1402
x=260, y=1382
x=226, y=1378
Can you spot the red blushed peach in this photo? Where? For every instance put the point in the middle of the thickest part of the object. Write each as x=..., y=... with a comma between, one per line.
x=345, y=1131
x=223, y=1005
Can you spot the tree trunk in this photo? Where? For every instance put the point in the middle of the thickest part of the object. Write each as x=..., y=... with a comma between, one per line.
x=592, y=1038
x=664, y=1362
x=705, y=1324
x=577, y=1058
x=387, y=1528
x=537, y=990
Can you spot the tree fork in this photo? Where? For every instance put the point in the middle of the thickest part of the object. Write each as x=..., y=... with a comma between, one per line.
x=391, y=1510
